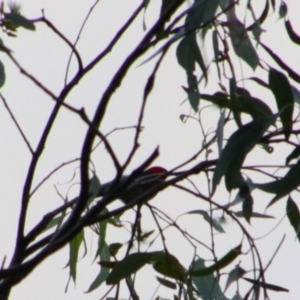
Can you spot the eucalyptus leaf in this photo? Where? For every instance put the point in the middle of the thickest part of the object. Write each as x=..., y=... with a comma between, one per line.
x=129, y=265
x=211, y=221
x=207, y=286
x=283, y=93
x=238, y=146
x=220, y=264
x=74, y=247
x=283, y=186
x=2, y=74
x=103, y=274
x=241, y=42
x=268, y=286
x=292, y=211
x=234, y=275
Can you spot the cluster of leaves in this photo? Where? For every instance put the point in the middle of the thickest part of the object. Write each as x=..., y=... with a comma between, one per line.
x=218, y=20
x=10, y=22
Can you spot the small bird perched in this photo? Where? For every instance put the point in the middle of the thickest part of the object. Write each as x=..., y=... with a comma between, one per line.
x=146, y=181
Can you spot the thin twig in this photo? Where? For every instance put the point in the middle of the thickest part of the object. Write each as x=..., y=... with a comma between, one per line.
x=77, y=38
x=17, y=124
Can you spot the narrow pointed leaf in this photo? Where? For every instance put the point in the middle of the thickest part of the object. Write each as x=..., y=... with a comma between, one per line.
x=211, y=221
x=251, y=105
x=238, y=146
x=114, y=248
x=220, y=264
x=74, y=249
x=220, y=131
x=168, y=265
x=241, y=43
x=282, y=10
x=234, y=275
x=167, y=283
x=247, y=202
x=240, y=214
x=2, y=74
x=102, y=276
x=283, y=93
x=268, y=286
x=207, y=286
x=129, y=265
x=283, y=186
x=246, y=103
x=234, y=102
x=293, y=214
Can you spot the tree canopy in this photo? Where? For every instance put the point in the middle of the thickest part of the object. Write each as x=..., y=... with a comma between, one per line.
x=226, y=176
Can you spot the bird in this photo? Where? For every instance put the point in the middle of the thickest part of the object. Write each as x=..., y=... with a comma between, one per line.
x=146, y=181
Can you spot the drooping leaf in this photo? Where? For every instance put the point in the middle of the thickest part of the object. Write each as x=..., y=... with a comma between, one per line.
x=251, y=105
x=283, y=186
x=188, y=54
x=234, y=102
x=192, y=91
x=293, y=214
x=74, y=247
x=129, y=265
x=215, y=42
x=209, y=13
x=238, y=199
x=292, y=34
x=165, y=4
x=246, y=103
x=207, y=286
x=219, y=131
x=2, y=74
x=238, y=146
x=20, y=20
x=240, y=214
x=282, y=10
x=282, y=91
x=102, y=276
x=220, y=264
x=167, y=283
x=247, y=202
x=102, y=234
x=114, y=248
x=241, y=42
x=168, y=265
x=234, y=275
x=268, y=286
x=211, y=221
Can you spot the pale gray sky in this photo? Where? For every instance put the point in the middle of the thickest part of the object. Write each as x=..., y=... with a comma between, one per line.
x=45, y=56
